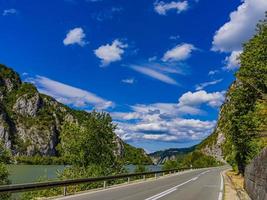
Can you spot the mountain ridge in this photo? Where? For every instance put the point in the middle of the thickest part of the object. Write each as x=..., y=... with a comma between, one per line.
x=31, y=122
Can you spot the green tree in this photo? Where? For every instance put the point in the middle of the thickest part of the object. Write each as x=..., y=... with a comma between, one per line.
x=243, y=114
x=91, y=144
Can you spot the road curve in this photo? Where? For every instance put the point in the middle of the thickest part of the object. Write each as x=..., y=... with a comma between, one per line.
x=203, y=184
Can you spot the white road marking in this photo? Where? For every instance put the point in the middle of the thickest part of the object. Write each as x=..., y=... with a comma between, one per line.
x=164, y=193
x=221, y=189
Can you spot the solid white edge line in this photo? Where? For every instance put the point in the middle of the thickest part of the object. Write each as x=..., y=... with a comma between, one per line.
x=221, y=188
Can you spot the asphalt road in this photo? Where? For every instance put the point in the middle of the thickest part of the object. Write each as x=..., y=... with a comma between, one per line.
x=204, y=184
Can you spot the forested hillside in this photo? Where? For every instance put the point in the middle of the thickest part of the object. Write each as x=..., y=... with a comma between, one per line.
x=241, y=129
x=38, y=129
x=242, y=125
x=160, y=157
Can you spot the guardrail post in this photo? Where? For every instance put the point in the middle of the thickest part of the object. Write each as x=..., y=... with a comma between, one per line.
x=65, y=191
x=128, y=179
x=105, y=185
x=155, y=175
x=144, y=177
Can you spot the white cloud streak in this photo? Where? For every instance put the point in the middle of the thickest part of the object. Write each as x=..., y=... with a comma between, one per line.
x=154, y=74
x=201, y=86
x=69, y=95
x=11, y=11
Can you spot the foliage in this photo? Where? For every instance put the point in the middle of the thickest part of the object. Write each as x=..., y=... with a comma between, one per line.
x=135, y=156
x=170, y=164
x=245, y=112
x=4, y=158
x=195, y=159
x=91, y=143
x=140, y=169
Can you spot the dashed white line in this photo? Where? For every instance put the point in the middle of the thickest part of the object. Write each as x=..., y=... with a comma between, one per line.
x=166, y=192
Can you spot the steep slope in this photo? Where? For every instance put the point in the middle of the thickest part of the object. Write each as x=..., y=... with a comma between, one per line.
x=30, y=122
x=160, y=157
x=241, y=129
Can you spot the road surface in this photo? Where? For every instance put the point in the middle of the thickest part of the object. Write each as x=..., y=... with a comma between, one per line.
x=203, y=184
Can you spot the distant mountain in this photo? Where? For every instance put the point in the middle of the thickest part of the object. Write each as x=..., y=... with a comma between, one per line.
x=31, y=122
x=159, y=157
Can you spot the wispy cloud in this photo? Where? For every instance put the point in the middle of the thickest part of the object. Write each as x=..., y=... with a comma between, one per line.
x=201, y=86
x=69, y=95
x=154, y=74
x=162, y=7
x=213, y=72
x=106, y=14
x=11, y=11
x=128, y=80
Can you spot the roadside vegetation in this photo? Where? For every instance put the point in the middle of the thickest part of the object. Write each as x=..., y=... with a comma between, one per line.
x=5, y=157
x=245, y=112
x=195, y=159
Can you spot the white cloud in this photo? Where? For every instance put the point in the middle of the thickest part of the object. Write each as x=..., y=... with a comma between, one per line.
x=174, y=37
x=240, y=27
x=168, y=130
x=213, y=99
x=10, y=11
x=110, y=53
x=128, y=80
x=154, y=74
x=213, y=72
x=165, y=122
x=201, y=86
x=162, y=7
x=232, y=61
x=153, y=58
x=68, y=94
x=75, y=36
x=179, y=52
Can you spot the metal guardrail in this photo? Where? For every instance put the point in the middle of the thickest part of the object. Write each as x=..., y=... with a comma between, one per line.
x=64, y=183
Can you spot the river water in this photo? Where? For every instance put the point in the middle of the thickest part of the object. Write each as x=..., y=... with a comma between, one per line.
x=33, y=173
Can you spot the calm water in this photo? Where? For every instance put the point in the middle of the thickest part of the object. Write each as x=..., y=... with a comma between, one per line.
x=31, y=173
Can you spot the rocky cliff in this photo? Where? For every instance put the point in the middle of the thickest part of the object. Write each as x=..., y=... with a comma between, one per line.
x=30, y=122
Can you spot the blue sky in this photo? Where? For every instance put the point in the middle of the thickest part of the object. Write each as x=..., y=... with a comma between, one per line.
x=161, y=68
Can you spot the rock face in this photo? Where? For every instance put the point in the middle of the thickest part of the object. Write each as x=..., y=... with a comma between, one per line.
x=256, y=177
x=215, y=150
x=27, y=106
x=30, y=122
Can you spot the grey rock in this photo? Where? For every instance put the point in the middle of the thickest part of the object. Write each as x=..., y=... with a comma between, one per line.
x=256, y=177
x=27, y=106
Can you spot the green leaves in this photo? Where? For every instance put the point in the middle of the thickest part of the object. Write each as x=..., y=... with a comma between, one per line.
x=91, y=143
x=243, y=114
